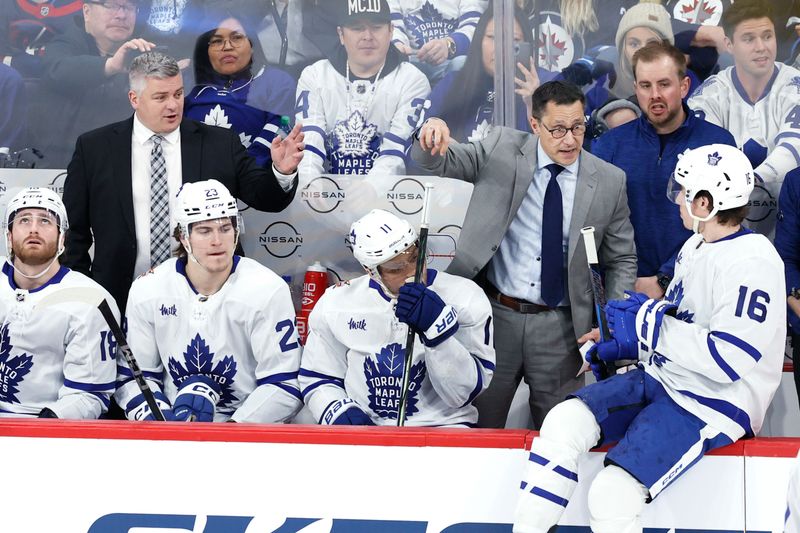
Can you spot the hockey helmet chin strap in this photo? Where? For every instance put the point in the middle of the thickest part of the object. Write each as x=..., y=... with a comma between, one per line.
x=43, y=272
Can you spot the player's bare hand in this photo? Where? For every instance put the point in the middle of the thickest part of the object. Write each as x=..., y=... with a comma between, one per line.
x=649, y=285
x=117, y=63
x=434, y=136
x=433, y=52
x=593, y=335
x=405, y=49
x=288, y=152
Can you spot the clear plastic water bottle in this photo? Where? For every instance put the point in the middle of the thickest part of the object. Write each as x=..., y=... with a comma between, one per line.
x=286, y=126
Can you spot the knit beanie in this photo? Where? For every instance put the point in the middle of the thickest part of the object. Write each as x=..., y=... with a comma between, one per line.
x=648, y=14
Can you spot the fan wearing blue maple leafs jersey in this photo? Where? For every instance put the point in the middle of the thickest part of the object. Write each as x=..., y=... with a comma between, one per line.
x=359, y=109
x=56, y=359
x=212, y=332
x=710, y=357
x=352, y=366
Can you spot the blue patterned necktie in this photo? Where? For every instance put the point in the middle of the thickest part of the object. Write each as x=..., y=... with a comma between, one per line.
x=159, y=204
x=552, y=234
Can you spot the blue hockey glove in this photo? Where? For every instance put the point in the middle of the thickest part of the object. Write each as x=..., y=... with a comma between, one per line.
x=139, y=410
x=345, y=412
x=423, y=309
x=616, y=310
x=196, y=399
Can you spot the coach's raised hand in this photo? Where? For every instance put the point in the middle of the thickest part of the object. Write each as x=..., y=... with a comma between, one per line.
x=434, y=136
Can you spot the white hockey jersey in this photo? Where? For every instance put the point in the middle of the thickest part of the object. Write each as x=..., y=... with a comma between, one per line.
x=767, y=131
x=356, y=347
x=243, y=337
x=59, y=355
x=721, y=356
x=358, y=126
x=416, y=22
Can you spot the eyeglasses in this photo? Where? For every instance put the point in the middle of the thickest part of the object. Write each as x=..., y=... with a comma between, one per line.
x=218, y=43
x=559, y=131
x=113, y=7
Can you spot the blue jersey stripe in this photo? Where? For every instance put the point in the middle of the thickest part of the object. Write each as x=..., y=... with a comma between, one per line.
x=125, y=371
x=312, y=374
x=724, y=408
x=276, y=378
x=566, y=473
x=538, y=459
x=89, y=387
x=337, y=382
x=478, y=385
x=487, y=331
x=315, y=129
x=537, y=491
x=396, y=138
x=396, y=153
x=747, y=348
x=715, y=355
x=291, y=390
x=315, y=150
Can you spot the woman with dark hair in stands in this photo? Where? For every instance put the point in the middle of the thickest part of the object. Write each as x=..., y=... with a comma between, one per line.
x=236, y=90
x=465, y=99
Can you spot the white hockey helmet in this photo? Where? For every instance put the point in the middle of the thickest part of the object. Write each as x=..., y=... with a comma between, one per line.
x=379, y=236
x=39, y=198
x=204, y=200
x=719, y=169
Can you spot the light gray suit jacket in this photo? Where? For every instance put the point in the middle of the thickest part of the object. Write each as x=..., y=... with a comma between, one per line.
x=501, y=167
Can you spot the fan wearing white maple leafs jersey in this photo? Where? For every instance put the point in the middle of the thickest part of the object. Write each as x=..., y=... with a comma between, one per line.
x=758, y=101
x=359, y=109
x=212, y=332
x=352, y=366
x=57, y=360
x=710, y=360
x=435, y=34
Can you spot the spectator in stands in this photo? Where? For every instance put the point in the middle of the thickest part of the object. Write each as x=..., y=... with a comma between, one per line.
x=284, y=19
x=756, y=100
x=641, y=24
x=358, y=110
x=349, y=373
x=26, y=26
x=647, y=150
x=787, y=242
x=465, y=99
x=85, y=77
x=533, y=193
x=123, y=177
x=566, y=30
x=13, y=107
x=435, y=35
x=234, y=91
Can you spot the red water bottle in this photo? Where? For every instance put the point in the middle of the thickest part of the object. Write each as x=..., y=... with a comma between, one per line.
x=314, y=285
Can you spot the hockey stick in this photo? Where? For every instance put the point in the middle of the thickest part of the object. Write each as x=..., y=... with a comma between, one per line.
x=422, y=246
x=598, y=293
x=96, y=298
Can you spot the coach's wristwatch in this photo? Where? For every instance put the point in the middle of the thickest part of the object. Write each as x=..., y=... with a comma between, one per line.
x=795, y=293
x=663, y=280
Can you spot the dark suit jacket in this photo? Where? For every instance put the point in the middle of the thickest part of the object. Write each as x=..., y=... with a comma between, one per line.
x=99, y=198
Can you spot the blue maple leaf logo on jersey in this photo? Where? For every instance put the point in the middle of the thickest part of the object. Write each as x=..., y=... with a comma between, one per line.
x=384, y=377
x=354, y=145
x=675, y=295
x=427, y=24
x=12, y=369
x=795, y=82
x=658, y=359
x=199, y=359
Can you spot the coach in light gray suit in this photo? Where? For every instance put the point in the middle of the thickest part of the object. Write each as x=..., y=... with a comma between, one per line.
x=521, y=242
